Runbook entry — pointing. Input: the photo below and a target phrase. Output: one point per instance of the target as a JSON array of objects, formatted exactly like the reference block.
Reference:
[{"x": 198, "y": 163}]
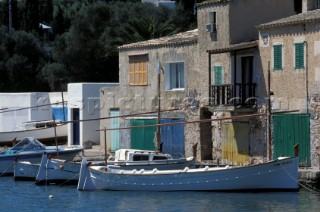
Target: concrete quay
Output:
[{"x": 310, "y": 177}]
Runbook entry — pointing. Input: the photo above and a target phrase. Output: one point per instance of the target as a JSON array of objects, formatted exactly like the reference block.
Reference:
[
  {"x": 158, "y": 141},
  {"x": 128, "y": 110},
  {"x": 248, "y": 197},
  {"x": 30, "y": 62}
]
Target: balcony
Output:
[{"x": 240, "y": 94}]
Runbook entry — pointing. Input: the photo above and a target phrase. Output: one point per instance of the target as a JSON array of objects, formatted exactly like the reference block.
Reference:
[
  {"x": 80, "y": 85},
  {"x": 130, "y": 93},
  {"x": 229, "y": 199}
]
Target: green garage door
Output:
[
  {"x": 143, "y": 138},
  {"x": 291, "y": 129}
]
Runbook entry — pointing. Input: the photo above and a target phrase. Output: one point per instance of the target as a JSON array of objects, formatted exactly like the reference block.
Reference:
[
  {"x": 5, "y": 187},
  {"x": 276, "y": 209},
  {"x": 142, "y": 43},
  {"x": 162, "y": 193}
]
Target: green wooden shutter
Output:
[
  {"x": 277, "y": 57},
  {"x": 299, "y": 61},
  {"x": 217, "y": 75}
]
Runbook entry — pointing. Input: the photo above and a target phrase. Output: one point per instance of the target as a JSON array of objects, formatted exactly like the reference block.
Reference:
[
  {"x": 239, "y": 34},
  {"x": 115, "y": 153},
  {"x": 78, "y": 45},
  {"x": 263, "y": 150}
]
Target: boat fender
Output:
[
  {"x": 186, "y": 169},
  {"x": 227, "y": 167},
  {"x": 155, "y": 170},
  {"x": 134, "y": 171},
  {"x": 206, "y": 168},
  {"x": 141, "y": 171}
]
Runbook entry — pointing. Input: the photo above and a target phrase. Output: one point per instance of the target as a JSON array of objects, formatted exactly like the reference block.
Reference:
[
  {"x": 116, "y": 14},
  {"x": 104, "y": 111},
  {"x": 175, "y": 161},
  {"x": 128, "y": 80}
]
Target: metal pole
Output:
[
  {"x": 105, "y": 146},
  {"x": 209, "y": 73},
  {"x": 10, "y": 16},
  {"x": 55, "y": 137}
]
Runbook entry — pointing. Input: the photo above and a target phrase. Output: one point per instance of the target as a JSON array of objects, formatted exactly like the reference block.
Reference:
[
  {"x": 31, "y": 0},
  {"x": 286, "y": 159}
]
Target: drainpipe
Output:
[
  {"x": 307, "y": 81},
  {"x": 307, "y": 90},
  {"x": 209, "y": 71},
  {"x": 235, "y": 79}
]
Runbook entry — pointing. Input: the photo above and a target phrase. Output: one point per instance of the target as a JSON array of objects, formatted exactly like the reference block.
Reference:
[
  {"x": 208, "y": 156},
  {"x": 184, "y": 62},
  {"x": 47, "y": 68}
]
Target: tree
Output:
[
  {"x": 82, "y": 48},
  {"x": 30, "y": 13},
  {"x": 20, "y": 58},
  {"x": 55, "y": 74},
  {"x": 148, "y": 27}
]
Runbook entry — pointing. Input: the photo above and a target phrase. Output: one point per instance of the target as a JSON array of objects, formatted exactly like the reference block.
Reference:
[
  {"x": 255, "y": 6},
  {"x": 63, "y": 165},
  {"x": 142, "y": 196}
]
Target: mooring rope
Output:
[
  {"x": 304, "y": 185},
  {"x": 65, "y": 182}
]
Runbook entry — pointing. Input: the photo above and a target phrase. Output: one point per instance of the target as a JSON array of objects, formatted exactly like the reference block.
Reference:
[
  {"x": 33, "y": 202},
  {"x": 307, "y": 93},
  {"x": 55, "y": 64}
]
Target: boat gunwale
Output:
[{"x": 183, "y": 171}]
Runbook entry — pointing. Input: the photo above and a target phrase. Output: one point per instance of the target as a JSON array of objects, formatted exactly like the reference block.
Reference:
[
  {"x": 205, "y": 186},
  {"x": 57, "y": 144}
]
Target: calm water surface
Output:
[{"x": 25, "y": 196}]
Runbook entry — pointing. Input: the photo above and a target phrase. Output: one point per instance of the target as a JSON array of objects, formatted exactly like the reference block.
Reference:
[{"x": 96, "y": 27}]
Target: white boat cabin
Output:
[{"x": 131, "y": 155}]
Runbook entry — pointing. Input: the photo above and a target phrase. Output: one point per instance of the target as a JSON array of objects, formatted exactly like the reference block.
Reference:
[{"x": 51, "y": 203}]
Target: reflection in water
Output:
[{"x": 67, "y": 198}]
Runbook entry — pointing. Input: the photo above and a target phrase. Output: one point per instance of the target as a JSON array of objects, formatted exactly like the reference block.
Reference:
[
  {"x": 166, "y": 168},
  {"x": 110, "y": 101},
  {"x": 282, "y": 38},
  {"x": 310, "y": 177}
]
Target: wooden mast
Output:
[
  {"x": 158, "y": 125},
  {"x": 269, "y": 114}
]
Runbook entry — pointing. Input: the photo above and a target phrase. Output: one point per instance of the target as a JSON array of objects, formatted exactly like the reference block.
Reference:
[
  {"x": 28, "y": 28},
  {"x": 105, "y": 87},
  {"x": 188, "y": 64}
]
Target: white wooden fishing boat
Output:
[
  {"x": 53, "y": 171},
  {"x": 56, "y": 171},
  {"x": 41, "y": 130},
  {"x": 30, "y": 149},
  {"x": 25, "y": 171},
  {"x": 280, "y": 174}
]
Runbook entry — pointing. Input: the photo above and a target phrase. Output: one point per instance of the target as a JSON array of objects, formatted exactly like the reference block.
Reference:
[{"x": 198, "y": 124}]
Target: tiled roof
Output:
[
  {"x": 188, "y": 37},
  {"x": 210, "y": 2},
  {"x": 234, "y": 47},
  {"x": 301, "y": 18}
]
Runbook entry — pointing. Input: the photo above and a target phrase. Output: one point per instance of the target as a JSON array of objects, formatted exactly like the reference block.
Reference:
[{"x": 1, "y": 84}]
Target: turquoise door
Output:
[{"x": 115, "y": 134}]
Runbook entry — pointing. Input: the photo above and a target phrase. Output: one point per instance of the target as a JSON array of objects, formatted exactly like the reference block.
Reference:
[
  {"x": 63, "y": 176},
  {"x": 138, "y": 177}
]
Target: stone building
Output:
[
  {"x": 290, "y": 56},
  {"x": 234, "y": 85},
  {"x": 208, "y": 73},
  {"x": 169, "y": 61}
]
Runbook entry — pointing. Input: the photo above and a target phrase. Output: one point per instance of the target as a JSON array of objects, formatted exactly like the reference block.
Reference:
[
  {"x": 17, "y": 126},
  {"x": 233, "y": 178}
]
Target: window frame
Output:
[
  {"x": 217, "y": 68},
  {"x": 138, "y": 70},
  {"x": 299, "y": 55},
  {"x": 277, "y": 59},
  {"x": 168, "y": 76}
]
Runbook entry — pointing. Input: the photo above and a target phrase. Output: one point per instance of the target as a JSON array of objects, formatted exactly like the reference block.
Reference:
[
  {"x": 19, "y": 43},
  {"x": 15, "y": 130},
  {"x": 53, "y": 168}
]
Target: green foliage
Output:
[
  {"x": 20, "y": 56},
  {"x": 146, "y": 28},
  {"x": 55, "y": 74}
]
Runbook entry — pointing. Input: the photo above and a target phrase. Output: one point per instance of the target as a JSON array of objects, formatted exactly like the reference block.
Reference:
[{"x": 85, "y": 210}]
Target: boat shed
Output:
[{"x": 84, "y": 112}]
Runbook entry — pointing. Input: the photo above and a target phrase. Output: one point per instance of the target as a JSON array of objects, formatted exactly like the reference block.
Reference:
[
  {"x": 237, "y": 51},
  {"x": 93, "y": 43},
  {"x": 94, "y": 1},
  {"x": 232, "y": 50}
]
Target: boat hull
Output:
[
  {"x": 7, "y": 161},
  {"x": 276, "y": 175},
  {"x": 25, "y": 171},
  {"x": 57, "y": 172},
  {"x": 45, "y": 135}
]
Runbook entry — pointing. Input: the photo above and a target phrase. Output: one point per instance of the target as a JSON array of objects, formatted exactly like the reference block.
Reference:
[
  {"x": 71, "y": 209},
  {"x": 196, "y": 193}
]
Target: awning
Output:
[{"x": 235, "y": 47}]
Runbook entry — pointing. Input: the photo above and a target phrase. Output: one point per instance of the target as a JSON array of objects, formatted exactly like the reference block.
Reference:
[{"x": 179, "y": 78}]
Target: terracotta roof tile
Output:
[
  {"x": 188, "y": 37},
  {"x": 307, "y": 17}
]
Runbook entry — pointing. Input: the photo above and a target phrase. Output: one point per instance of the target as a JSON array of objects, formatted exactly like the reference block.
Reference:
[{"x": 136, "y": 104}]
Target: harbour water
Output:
[{"x": 25, "y": 196}]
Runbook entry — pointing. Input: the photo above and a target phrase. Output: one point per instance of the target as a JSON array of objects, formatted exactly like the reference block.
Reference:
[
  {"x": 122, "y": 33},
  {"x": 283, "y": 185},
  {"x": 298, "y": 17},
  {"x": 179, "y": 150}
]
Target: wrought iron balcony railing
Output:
[{"x": 240, "y": 94}]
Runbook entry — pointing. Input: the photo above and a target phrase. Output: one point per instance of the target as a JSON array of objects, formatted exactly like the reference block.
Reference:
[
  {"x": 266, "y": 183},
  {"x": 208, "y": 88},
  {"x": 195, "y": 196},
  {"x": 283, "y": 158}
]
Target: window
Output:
[
  {"x": 140, "y": 158},
  {"x": 212, "y": 22},
  {"x": 174, "y": 76},
  {"x": 277, "y": 57},
  {"x": 217, "y": 75},
  {"x": 138, "y": 69},
  {"x": 299, "y": 55}
]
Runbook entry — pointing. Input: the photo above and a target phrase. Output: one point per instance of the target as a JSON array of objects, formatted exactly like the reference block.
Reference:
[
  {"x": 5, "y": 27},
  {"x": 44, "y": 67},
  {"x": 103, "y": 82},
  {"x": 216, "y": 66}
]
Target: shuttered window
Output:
[
  {"x": 138, "y": 70},
  {"x": 299, "y": 56},
  {"x": 277, "y": 57},
  {"x": 217, "y": 75}
]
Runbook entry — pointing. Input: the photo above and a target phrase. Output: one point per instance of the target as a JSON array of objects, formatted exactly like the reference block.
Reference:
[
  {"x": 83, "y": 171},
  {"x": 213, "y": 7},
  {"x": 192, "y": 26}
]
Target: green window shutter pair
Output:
[
  {"x": 217, "y": 75},
  {"x": 277, "y": 57},
  {"x": 299, "y": 56}
]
